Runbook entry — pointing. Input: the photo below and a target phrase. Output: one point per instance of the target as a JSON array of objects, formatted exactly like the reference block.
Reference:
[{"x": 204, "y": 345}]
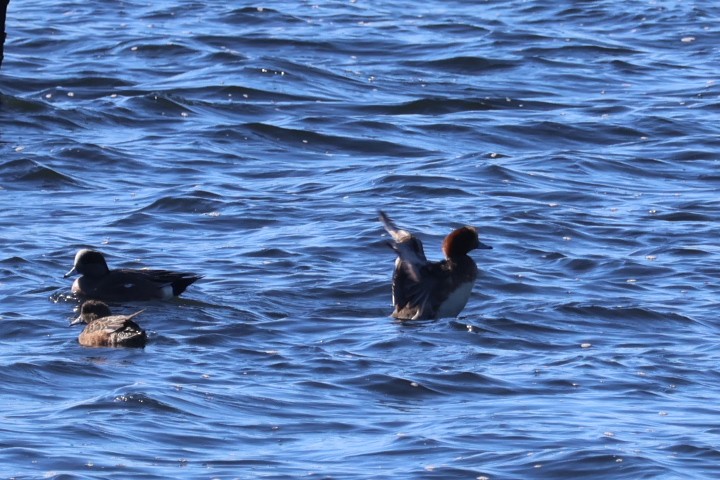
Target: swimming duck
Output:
[
  {"x": 427, "y": 290},
  {"x": 106, "y": 330},
  {"x": 99, "y": 282}
]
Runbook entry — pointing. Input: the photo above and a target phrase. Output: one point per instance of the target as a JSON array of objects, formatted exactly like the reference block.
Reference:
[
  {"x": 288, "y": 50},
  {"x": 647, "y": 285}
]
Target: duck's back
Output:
[
  {"x": 134, "y": 285},
  {"x": 439, "y": 289},
  {"x": 114, "y": 331}
]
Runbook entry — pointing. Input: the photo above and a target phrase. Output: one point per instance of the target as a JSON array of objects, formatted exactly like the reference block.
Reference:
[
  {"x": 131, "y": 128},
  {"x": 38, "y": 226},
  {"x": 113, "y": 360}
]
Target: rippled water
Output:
[{"x": 254, "y": 144}]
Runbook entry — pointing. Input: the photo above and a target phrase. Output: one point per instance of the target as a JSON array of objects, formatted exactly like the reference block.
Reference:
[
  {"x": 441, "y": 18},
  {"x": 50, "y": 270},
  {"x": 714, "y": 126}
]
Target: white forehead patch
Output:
[{"x": 79, "y": 254}]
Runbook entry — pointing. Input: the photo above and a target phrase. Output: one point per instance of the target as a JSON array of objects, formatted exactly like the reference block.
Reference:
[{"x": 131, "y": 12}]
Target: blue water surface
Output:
[{"x": 253, "y": 143}]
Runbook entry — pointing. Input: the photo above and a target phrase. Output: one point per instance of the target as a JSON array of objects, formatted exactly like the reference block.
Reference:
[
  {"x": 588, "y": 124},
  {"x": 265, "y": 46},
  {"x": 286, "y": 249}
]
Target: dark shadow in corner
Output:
[{"x": 3, "y": 14}]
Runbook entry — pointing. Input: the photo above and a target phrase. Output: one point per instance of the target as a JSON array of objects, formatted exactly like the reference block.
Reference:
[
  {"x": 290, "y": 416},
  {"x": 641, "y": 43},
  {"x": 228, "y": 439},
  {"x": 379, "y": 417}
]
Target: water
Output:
[{"x": 254, "y": 143}]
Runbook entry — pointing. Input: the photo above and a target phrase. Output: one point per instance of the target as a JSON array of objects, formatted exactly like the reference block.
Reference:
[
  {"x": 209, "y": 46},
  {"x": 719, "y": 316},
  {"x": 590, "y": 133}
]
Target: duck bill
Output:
[
  {"x": 72, "y": 272},
  {"x": 77, "y": 321},
  {"x": 484, "y": 246}
]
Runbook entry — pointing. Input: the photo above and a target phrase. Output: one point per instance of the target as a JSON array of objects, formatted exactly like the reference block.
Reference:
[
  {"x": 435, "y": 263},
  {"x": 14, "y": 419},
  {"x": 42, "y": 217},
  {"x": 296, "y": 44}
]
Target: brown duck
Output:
[{"x": 106, "y": 330}]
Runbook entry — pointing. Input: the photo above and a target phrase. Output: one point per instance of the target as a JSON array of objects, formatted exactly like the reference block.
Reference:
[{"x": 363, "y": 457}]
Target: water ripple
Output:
[{"x": 255, "y": 144}]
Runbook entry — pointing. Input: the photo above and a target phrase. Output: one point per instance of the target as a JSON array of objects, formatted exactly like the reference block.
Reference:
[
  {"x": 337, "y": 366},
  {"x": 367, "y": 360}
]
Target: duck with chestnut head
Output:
[{"x": 422, "y": 289}]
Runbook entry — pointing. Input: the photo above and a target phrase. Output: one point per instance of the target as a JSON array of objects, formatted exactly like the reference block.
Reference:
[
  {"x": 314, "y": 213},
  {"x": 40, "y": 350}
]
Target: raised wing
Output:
[{"x": 416, "y": 282}]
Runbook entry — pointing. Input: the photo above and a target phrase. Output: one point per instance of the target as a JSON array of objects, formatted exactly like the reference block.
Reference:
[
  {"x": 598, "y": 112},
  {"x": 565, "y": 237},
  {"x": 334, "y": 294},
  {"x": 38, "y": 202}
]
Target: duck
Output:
[
  {"x": 104, "y": 329},
  {"x": 425, "y": 290},
  {"x": 98, "y": 282}
]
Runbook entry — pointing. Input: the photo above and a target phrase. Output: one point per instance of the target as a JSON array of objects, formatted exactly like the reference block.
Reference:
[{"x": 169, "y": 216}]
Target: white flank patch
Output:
[
  {"x": 456, "y": 301},
  {"x": 167, "y": 292}
]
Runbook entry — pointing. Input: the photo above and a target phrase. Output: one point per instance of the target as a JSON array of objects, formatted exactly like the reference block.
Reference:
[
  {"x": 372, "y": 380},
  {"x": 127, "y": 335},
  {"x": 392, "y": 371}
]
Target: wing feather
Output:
[{"x": 415, "y": 280}]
